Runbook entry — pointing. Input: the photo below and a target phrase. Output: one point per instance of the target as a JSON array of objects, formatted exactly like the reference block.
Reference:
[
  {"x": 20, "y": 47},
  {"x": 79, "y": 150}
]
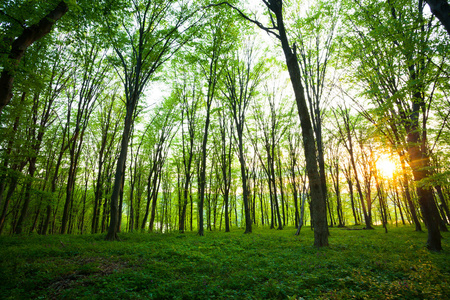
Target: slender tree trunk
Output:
[
  {"x": 367, "y": 218},
  {"x": 280, "y": 175},
  {"x": 446, "y": 214},
  {"x": 156, "y": 185},
  {"x": 11, "y": 188},
  {"x": 114, "y": 208},
  {"x": 275, "y": 192},
  {"x": 248, "y": 217},
  {"x": 411, "y": 205},
  {"x": 7, "y": 153},
  {"x": 150, "y": 191},
  {"x": 119, "y": 222},
  {"x": 36, "y": 144},
  {"x": 318, "y": 204},
  {"x": 302, "y": 213},
  {"x": 69, "y": 190},
  {"x": 203, "y": 169},
  {"x": 397, "y": 201}
]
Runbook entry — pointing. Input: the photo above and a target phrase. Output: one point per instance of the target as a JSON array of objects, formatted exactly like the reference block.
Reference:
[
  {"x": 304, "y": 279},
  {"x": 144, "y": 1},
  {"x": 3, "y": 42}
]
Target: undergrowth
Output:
[{"x": 267, "y": 264}]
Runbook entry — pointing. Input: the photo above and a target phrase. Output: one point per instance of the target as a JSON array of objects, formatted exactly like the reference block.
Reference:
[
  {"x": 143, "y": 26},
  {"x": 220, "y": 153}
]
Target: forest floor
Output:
[{"x": 267, "y": 264}]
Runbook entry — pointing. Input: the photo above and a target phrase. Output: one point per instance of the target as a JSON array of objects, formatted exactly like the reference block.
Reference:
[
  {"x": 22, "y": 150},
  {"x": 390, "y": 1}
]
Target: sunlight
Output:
[{"x": 385, "y": 166}]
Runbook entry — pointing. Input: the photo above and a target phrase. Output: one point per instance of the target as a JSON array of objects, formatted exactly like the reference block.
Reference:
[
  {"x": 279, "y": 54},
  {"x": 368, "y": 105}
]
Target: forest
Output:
[
  {"x": 196, "y": 116},
  {"x": 205, "y": 135}
]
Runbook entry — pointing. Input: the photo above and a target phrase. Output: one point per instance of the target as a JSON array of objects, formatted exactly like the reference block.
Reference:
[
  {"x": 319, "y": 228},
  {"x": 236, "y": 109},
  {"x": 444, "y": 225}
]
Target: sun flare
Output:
[{"x": 385, "y": 166}]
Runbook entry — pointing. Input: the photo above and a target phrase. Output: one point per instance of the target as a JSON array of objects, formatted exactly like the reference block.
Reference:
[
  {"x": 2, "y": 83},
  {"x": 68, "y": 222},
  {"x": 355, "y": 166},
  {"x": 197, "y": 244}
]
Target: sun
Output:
[{"x": 385, "y": 166}]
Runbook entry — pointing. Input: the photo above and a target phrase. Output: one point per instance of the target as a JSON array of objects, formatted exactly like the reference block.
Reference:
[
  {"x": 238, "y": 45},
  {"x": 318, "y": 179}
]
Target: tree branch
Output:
[
  {"x": 20, "y": 45},
  {"x": 257, "y": 23}
]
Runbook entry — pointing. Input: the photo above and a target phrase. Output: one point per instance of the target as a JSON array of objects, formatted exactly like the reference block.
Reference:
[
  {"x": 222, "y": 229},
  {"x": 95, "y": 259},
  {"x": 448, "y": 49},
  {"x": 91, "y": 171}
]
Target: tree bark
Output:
[
  {"x": 411, "y": 205},
  {"x": 420, "y": 162},
  {"x": 20, "y": 45},
  {"x": 114, "y": 220},
  {"x": 441, "y": 9},
  {"x": 202, "y": 181},
  {"x": 248, "y": 218},
  {"x": 318, "y": 205}
]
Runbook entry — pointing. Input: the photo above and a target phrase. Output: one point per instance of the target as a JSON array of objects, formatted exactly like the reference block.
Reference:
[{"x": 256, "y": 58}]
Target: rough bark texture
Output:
[
  {"x": 420, "y": 162},
  {"x": 20, "y": 45}
]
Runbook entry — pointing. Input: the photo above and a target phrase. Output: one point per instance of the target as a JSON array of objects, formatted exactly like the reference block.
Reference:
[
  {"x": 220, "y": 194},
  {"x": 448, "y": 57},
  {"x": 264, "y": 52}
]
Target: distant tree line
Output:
[{"x": 133, "y": 115}]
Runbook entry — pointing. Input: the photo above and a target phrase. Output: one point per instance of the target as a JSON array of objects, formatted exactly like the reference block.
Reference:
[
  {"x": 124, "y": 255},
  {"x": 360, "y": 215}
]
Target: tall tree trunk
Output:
[
  {"x": 202, "y": 180},
  {"x": 248, "y": 217},
  {"x": 119, "y": 222},
  {"x": 272, "y": 181},
  {"x": 156, "y": 184},
  {"x": 11, "y": 188},
  {"x": 8, "y": 151},
  {"x": 318, "y": 204},
  {"x": 420, "y": 163},
  {"x": 114, "y": 208},
  {"x": 36, "y": 138},
  {"x": 412, "y": 207},
  {"x": 446, "y": 212}
]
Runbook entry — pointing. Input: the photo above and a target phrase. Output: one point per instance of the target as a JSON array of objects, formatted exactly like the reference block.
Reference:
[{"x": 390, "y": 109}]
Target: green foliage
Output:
[{"x": 264, "y": 265}]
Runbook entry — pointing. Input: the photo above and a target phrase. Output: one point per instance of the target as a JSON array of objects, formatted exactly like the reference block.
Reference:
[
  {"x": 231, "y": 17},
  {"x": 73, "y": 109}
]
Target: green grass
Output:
[{"x": 267, "y": 264}]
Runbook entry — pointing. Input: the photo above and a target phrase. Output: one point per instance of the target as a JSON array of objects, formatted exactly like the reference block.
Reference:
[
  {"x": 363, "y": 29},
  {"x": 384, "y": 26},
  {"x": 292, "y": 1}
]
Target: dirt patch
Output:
[{"x": 87, "y": 267}]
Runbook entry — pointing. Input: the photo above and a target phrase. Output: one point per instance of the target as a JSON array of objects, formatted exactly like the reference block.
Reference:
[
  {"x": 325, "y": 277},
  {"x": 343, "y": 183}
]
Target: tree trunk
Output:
[
  {"x": 420, "y": 162},
  {"x": 203, "y": 170},
  {"x": 156, "y": 185},
  {"x": 318, "y": 205},
  {"x": 441, "y": 9},
  {"x": 446, "y": 212},
  {"x": 11, "y": 189},
  {"x": 20, "y": 45},
  {"x": 114, "y": 206},
  {"x": 248, "y": 217},
  {"x": 411, "y": 205},
  {"x": 8, "y": 151}
]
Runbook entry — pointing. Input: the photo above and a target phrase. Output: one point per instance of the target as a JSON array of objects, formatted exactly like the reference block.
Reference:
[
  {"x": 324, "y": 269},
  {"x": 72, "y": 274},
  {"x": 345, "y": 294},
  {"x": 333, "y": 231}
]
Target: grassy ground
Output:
[{"x": 267, "y": 264}]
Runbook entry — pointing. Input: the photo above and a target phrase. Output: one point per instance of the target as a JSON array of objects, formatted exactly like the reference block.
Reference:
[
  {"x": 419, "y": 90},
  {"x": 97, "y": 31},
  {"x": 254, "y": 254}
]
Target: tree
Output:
[
  {"x": 142, "y": 44},
  {"x": 16, "y": 47},
  {"x": 277, "y": 29},
  {"x": 271, "y": 124},
  {"x": 241, "y": 80},
  {"x": 107, "y": 121},
  {"x": 316, "y": 49},
  {"x": 218, "y": 43},
  {"x": 87, "y": 88},
  {"x": 226, "y": 130},
  {"x": 335, "y": 168},
  {"x": 318, "y": 205},
  {"x": 402, "y": 83},
  {"x": 54, "y": 78},
  {"x": 293, "y": 154},
  {"x": 346, "y": 131},
  {"x": 161, "y": 135},
  {"x": 189, "y": 117}
]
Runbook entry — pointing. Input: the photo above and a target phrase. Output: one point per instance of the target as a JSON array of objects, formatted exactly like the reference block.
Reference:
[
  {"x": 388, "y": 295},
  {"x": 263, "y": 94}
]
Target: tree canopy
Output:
[{"x": 193, "y": 115}]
